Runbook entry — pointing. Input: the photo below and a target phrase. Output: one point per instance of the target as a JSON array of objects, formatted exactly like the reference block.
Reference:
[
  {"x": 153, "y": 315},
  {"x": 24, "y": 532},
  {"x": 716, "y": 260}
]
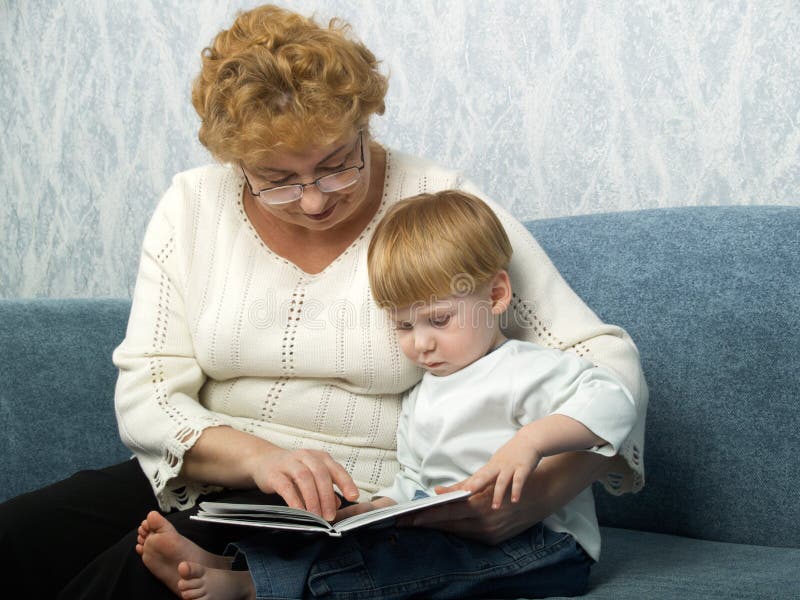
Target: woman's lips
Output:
[{"x": 323, "y": 215}]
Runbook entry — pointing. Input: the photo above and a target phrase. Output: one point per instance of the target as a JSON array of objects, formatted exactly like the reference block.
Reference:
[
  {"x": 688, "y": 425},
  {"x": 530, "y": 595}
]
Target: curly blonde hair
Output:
[
  {"x": 432, "y": 246},
  {"x": 277, "y": 81}
]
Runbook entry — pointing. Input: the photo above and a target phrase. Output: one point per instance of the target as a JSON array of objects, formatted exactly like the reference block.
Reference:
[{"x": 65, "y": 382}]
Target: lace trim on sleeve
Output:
[{"x": 170, "y": 489}]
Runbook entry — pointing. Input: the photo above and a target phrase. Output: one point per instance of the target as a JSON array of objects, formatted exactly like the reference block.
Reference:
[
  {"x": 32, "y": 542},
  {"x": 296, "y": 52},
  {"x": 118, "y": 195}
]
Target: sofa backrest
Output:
[
  {"x": 57, "y": 392},
  {"x": 711, "y": 296}
]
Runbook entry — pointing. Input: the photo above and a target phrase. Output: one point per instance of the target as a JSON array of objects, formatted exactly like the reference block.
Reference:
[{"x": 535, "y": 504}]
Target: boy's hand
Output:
[
  {"x": 362, "y": 507},
  {"x": 512, "y": 463}
]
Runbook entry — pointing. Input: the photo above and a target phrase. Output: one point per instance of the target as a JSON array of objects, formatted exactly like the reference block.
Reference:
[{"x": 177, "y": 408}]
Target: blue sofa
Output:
[{"x": 712, "y": 298}]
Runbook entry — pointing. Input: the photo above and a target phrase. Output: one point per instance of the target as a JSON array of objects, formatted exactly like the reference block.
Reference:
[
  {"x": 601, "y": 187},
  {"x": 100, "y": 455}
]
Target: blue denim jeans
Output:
[{"x": 408, "y": 562}]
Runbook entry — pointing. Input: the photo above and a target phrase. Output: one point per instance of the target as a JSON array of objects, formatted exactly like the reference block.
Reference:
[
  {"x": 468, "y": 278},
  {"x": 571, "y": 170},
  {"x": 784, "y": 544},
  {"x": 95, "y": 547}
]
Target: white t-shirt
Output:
[{"x": 451, "y": 426}]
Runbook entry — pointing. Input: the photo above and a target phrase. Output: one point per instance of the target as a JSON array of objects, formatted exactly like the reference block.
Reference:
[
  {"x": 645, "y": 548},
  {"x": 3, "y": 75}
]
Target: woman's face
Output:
[{"x": 315, "y": 210}]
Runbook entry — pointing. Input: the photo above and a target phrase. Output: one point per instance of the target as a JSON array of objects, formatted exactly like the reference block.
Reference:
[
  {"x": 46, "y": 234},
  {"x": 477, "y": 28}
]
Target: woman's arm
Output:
[
  {"x": 157, "y": 403},
  {"x": 303, "y": 478},
  {"x": 556, "y": 481}
]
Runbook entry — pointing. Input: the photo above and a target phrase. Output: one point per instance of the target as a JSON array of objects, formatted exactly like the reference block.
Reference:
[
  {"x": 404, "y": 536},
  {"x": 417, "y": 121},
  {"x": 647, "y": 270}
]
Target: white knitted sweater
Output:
[{"x": 223, "y": 331}]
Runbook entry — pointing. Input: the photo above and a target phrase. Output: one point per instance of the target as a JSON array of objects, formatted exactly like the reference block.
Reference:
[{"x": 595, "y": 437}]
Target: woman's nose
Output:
[{"x": 313, "y": 201}]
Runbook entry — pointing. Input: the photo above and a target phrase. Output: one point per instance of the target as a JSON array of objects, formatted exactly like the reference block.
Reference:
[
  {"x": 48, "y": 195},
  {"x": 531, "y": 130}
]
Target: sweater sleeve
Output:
[
  {"x": 546, "y": 311},
  {"x": 156, "y": 398},
  {"x": 407, "y": 480}
]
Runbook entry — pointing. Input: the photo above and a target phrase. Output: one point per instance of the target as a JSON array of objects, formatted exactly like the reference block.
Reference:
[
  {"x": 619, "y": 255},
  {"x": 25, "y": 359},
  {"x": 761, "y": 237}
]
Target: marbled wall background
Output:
[{"x": 554, "y": 107}]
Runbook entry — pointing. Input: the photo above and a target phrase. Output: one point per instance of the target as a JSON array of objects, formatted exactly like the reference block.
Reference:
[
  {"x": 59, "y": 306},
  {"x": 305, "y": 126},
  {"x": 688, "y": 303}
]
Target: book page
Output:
[
  {"x": 260, "y": 512},
  {"x": 249, "y": 521},
  {"x": 389, "y": 512}
]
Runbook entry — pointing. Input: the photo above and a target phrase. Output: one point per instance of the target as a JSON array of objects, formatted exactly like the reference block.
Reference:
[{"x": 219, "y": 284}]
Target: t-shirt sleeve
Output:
[{"x": 561, "y": 383}]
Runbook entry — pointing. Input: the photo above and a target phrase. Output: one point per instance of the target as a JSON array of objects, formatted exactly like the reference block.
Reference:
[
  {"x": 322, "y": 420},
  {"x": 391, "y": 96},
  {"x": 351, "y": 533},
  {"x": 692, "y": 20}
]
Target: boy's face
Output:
[{"x": 447, "y": 335}]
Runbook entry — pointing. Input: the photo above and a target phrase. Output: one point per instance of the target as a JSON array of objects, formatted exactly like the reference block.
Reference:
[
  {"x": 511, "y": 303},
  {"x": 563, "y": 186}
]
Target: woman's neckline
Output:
[{"x": 340, "y": 256}]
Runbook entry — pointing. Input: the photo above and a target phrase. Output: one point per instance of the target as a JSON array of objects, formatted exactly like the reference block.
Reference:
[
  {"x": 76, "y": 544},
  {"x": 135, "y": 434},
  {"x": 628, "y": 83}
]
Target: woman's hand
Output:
[
  {"x": 556, "y": 481},
  {"x": 304, "y": 479}
]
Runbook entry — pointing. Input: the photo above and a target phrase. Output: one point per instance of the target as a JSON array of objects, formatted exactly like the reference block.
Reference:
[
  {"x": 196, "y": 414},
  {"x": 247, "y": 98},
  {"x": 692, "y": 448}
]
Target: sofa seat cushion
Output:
[{"x": 636, "y": 565}]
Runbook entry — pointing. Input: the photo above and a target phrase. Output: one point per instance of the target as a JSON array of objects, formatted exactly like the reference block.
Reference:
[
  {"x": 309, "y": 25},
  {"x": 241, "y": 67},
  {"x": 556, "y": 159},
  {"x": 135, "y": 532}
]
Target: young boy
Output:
[{"x": 486, "y": 411}]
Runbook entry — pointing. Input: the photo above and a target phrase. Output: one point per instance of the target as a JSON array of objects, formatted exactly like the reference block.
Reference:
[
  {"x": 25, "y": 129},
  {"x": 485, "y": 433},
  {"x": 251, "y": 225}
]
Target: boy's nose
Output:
[{"x": 423, "y": 343}]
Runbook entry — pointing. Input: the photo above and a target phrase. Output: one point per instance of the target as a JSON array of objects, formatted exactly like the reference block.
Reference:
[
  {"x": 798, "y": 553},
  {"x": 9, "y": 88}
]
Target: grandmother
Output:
[{"x": 255, "y": 358}]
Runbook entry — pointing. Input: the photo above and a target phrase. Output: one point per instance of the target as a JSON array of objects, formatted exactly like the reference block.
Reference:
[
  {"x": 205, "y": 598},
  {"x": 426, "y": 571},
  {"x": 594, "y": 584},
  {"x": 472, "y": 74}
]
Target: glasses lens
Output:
[
  {"x": 338, "y": 181},
  {"x": 282, "y": 195}
]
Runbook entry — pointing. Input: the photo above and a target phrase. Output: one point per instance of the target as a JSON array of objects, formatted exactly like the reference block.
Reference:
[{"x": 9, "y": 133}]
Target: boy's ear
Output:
[{"x": 500, "y": 291}]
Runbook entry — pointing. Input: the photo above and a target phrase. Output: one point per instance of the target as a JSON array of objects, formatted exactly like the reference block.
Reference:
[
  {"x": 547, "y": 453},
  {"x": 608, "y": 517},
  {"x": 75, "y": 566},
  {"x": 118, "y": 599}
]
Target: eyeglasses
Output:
[{"x": 333, "y": 182}]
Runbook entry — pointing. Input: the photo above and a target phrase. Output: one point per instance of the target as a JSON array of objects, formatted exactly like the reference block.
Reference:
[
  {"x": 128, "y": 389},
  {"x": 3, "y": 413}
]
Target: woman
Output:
[{"x": 255, "y": 358}]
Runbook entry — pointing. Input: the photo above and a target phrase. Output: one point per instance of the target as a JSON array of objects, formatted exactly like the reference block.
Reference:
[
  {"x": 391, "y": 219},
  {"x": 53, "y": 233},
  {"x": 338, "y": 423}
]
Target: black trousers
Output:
[{"x": 76, "y": 538}]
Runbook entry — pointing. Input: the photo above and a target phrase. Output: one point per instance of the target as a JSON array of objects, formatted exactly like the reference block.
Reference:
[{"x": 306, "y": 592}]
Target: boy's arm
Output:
[
  {"x": 516, "y": 459},
  {"x": 563, "y": 404}
]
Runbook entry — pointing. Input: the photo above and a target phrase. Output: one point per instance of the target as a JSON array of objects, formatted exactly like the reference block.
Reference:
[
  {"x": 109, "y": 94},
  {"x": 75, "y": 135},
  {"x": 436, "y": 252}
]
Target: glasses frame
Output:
[{"x": 301, "y": 187}]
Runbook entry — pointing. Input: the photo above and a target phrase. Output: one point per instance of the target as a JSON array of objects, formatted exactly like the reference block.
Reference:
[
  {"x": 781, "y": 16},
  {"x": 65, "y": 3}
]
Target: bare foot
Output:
[
  {"x": 163, "y": 549},
  {"x": 199, "y": 582}
]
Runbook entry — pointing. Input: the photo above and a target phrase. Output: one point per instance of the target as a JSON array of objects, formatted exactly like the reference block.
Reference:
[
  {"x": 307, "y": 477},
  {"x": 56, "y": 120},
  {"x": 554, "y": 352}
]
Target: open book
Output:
[{"x": 295, "y": 519}]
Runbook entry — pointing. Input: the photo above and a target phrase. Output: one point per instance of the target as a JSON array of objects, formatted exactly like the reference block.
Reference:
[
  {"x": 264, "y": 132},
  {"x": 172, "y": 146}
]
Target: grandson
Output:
[{"x": 486, "y": 411}]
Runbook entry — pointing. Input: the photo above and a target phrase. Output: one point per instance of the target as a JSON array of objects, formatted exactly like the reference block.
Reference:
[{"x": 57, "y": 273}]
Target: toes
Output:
[
  {"x": 191, "y": 585},
  {"x": 194, "y": 594},
  {"x": 191, "y": 570},
  {"x": 156, "y": 523}
]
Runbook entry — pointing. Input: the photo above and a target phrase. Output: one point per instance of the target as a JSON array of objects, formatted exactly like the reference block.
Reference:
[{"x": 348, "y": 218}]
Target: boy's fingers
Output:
[
  {"x": 520, "y": 477},
  {"x": 480, "y": 479},
  {"x": 443, "y": 489},
  {"x": 500, "y": 487}
]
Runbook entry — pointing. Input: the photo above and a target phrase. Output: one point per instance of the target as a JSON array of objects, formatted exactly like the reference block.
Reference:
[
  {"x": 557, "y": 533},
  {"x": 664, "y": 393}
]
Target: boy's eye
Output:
[
  {"x": 440, "y": 321},
  {"x": 403, "y": 326}
]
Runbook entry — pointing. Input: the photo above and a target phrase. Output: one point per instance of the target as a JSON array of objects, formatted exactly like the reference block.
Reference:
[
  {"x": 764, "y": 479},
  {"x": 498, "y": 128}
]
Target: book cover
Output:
[{"x": 295, "y": 519}]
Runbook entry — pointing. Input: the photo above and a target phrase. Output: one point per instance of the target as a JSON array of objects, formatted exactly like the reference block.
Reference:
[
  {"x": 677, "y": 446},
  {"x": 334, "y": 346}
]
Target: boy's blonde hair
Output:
[
  {"x": 432, "y": 246},
  {"x": 277, "y": 81}
]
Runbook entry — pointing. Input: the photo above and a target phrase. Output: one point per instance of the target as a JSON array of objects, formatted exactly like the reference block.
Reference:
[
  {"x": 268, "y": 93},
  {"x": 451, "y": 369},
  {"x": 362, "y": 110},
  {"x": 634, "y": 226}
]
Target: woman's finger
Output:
[
  {"x": 304, "y": 480},
  {"x": 324, "y": 485},
  {"x": 342, "y": 479},
  {"x": 285, "y": 488}
]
